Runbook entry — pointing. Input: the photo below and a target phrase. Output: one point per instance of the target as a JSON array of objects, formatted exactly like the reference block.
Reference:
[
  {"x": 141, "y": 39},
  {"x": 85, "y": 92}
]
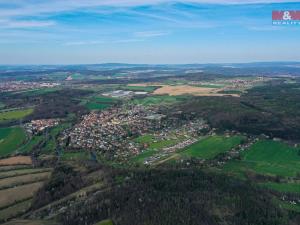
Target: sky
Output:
[{"x": 145, "y": 31}]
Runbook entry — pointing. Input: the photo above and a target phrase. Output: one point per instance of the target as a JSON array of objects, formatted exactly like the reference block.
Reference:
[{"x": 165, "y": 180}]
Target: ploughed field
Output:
[{"x": 19, "y": 181}]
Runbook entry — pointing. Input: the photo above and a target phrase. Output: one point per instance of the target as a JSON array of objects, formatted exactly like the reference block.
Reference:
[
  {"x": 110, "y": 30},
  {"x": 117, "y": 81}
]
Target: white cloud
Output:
[
  {"x": 25, "y": 23},
  {"x": 74, "y": 43},
  {"x": 28, "y": 7},
  {"x": 147, "y": 34}
]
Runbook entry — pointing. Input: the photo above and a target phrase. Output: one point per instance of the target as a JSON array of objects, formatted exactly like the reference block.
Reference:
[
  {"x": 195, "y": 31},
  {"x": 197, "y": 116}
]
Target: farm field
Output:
[
  {"x": 283, "y": 187},
  {"x": 100, "y": 103},
  {"x": 15, "y": 210},
  {"x": 13, "y": 167},
  {"x": 160, "y": 99},
  {"x": 14, "y": 114},
  {"x": 18, "y": 172},
  {"x": 189, "y": 90},
  {"x": 12, "y": 195},
  {"x": 23, "y": 179},
  {"x": 141, "y": 88},
  {"x": 82, "y": 155},
  {"x": 104, "y": 222},
  {"x": 36, "y": 139},
  {"x": 140, "y": 158},
  {"x": 153, "y": 146},
  {"x": 267, "y": 157},
  {"x": 18, "y": 183},
  {"x": 210, "y": 147},
  {"x": 16, "y": 160},
  {"x": 155, "y": 143},
  {"x": 41, "y": 91},
  {"x": 10, "y": 139}
]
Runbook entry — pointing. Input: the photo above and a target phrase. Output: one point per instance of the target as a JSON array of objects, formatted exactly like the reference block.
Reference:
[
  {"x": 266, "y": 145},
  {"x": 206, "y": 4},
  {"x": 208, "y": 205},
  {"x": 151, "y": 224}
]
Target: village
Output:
[
  {"x": 109, "y": 131},
  {"x": 37, "y": 126},
  {"x": 10, "y": 86},
  {"x": 112, "y": 132}
]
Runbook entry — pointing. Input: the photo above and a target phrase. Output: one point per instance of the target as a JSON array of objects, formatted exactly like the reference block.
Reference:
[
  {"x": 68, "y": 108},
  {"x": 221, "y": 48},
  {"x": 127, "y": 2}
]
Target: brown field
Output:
[
  {"x": 15, "y": 210},
  {"x": 189, "y": 90},
  {"x": 19, "y": 172},
  {"x": 17, "y": 160},
  {"x": 25, "y": 179},
  {"x": 16, "y": 167},
  {"x": 12, "y": 195}
]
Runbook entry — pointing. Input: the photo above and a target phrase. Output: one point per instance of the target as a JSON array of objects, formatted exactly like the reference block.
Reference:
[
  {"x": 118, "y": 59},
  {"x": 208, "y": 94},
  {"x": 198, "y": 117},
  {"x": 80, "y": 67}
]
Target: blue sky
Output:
[{"x": 145, "y": 31}]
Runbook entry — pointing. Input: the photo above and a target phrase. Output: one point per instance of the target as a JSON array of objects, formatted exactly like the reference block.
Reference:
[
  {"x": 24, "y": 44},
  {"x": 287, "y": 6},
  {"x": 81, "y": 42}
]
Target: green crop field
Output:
[
  {"x": 105, "y": 222},
  {"x": 100, "y": 103},
  {"x": 145, "y": 139},
  {"x": 210, "y": 147},
  {"x": 282, "y": 187},
  {"x": 40, "y": 91},
  {"x": 31, "y": 143},
  {"x": 82, "y": 155},
  {"x": 160, "y": 99},
  {"x": 155, "y": 143},
  {"x": 10, "y": 139},
  {"x": 14, "y": 114},
  {"x": 97, "y": 106},
  {"x": 140, "y": 158},
  {"x": 268, "y": 157}
]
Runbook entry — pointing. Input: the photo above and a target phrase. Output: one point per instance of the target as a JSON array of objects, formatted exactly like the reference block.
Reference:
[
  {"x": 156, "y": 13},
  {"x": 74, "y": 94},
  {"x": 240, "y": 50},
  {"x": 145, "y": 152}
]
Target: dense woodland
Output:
[
  {"x": 168, "y": 197},
  {"x": 272, "y": 110},
  {"x": 58, "y": 104}
]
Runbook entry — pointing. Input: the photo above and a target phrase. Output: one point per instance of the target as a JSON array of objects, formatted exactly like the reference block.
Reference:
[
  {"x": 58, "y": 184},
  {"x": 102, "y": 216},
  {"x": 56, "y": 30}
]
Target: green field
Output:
[
  {"x": 288, "y": 206},
  {"x": 153, "y": 146},
  {"x": 282, "y": 187},
  {"x": 160, "y": 99},
  {"x": 82, "y": 155},
  {"x": 145, "y": 139},
  {"x": 48, "y": 142},
  {"x": 154, "y": 143},
  {"x": 267, "y": 157},
  {"x": 40, "y": 91},
  {"x": 31, "y": 143},
  {"x": 100, "y": 103},
  {"x": 140, "y": 158},
  {"x": 210, "y": 147},
  {"x": 51, "y": 138},
  {"x": 2, "y": 105},
  {"x": 10, "y": 139},
  {"x": 14, "y": 114},
  {"x": 104, "y": 222}
]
